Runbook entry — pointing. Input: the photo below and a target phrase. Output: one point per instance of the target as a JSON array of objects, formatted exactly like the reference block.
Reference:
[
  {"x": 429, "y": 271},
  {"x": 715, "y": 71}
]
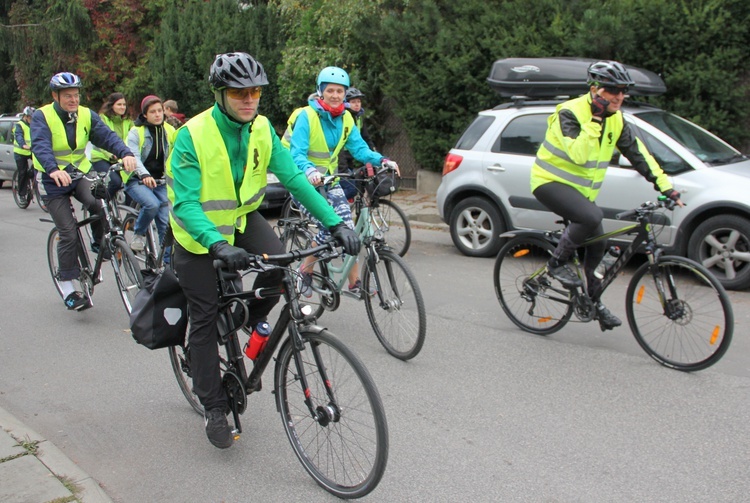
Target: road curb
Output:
[{"x": 55, "y": 460}]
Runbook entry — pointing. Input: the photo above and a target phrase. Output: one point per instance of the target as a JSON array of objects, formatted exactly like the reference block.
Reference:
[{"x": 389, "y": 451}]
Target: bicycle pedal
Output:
[
  {"x": 235, "y": 435},
  {"x": 357, "y": 296}
]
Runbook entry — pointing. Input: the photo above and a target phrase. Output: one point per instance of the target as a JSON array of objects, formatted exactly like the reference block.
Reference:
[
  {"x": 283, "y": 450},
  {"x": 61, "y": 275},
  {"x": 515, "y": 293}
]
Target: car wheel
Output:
[
  {"x": 476, "y": 226},
  {"x": 722, "y": 245}
]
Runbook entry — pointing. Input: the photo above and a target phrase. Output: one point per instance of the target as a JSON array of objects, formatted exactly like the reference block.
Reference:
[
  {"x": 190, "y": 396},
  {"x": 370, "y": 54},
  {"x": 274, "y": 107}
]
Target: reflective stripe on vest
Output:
[
  {"x": 318, "y": 152},
  {"x": 60, "y": 148},
  {"x": 26, "y": 139},
  {"x": 218, "y": 197},
  {"x": 169, "y": 132},
  {"x": 121, "y": 129},
  {"x": 553, "y": 164}
]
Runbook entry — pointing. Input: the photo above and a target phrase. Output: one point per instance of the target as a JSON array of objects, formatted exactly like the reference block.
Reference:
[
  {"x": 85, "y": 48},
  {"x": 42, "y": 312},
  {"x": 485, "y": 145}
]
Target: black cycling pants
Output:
[
  {"x": 24, "y": 173},
  {"x": 198, "y": 280},
  {"x": 585, "y": 221}
]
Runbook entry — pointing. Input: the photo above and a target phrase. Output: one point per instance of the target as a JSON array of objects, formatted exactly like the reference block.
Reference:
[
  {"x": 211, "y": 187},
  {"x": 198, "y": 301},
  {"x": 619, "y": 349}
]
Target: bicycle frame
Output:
[{"x": 290, "y": 318}]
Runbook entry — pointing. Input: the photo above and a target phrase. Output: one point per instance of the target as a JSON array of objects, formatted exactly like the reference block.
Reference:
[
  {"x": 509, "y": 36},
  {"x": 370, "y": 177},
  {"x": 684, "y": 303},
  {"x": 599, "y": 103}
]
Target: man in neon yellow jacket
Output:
[
  {"x": 216, "y": 178},
  {"x": 570, "y": 166}
]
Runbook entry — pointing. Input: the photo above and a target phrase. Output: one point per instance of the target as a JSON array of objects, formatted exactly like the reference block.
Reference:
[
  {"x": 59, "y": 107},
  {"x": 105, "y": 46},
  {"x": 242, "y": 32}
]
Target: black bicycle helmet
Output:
[
  {"x": 352, "y": 93},
  {"x": 29, "y": 111},
  {"x": 64, "y": 80},
  {"x": 609, "y": 73},
  {"x": 237, "y": 70}
]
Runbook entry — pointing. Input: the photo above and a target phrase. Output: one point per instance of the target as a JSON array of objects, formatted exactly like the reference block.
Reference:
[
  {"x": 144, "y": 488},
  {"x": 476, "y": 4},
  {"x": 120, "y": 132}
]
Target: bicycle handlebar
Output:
[
  {"x": 647, "y": 208},
  {"x": 283, "y": 259},
  {"x": 328, "y": 179}
]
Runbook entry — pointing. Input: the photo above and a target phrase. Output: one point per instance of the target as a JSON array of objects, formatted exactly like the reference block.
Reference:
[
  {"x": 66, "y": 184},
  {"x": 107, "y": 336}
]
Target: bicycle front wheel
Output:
[
  {"x": 52, "y": 260},
  {"x": 391, "y": 220},
  {"x": 396, "y": 309},
  {"x": 21, "y": 201},
  {"x": 127, "y": 273},
  {"x": 332, "y": 415},
  {"x": 680, "y": 314},
  {"x": 525, "y": 292}
]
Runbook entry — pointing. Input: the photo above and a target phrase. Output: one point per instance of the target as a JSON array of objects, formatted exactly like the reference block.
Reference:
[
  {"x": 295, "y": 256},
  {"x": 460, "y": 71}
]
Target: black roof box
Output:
[{"x": 550, "y": 77}]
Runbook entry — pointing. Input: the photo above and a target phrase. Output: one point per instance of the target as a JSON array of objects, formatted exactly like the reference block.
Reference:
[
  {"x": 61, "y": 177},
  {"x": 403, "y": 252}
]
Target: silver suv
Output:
[
  {"x": 7, "y": 161},
  {"x": 485, "y": 187}
]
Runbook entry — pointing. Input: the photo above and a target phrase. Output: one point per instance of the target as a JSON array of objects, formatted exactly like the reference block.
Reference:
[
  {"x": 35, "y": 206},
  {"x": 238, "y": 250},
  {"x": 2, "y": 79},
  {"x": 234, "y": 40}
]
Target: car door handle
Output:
[{"x": 495, "y": 167}]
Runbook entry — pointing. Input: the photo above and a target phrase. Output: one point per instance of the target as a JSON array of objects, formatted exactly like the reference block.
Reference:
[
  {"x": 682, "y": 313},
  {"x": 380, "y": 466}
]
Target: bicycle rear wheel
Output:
[
  {"x": 21, "y": 202},
  {"x": 127, "y": 273},
  {"x": 52, "y": 260},
  {"x": 344, "y": 445},
  {"x": 691, "y": 328},
  {"x": 396, "y": 311},
  {"x": 391, "y": 220},
  {"x": 528, "y": 296}
]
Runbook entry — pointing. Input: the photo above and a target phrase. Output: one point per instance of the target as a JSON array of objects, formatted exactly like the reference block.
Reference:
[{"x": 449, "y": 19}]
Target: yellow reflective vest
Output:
[
  {"x": 169, "y": 132},
  {"x": 120, "y": 128},
  {"x": 580, "y": 163},
  {"x": 219, "y": 199},
  {"x": 60, "y": 148},
  {"x": 318, "y": 152},
  {"x": 18, "y": 149}
]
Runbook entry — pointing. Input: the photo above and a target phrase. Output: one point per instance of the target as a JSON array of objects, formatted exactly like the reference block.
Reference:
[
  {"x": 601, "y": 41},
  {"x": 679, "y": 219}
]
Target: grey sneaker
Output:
[
  {"x": 217, "y": 429},
  {"x": 607, "y": 320},
  {"x": 304, "y": 284},
  {"x": 138, "y": 244},
  {"x": 564, "y": 275}
]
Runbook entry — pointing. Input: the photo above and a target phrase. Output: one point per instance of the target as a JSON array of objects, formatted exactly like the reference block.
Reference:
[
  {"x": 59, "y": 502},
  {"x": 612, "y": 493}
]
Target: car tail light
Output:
[{"x": 451, "y": 162}]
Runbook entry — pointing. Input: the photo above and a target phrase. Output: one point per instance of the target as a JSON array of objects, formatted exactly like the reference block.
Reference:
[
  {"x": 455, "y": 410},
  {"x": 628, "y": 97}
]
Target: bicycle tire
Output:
[
  {"x": 38, "y": 194},
  {"x": 179, "y": 357},
  {"x": 391, "y": 220},
  {"x": 290, "y": 209},
  {"x": 345, "y": 448},
  {"x": 148, "y": 257},
  {"x": 21, "y": 202},
  {"x": 698, "y": 333},
  {"x": 127, "y": 272},
  {"x": 519, "y": 295},
  {"x": 294, "y": 238},
  {"x": 396, "y": 312},
  {"x": 52, "y": 260}
]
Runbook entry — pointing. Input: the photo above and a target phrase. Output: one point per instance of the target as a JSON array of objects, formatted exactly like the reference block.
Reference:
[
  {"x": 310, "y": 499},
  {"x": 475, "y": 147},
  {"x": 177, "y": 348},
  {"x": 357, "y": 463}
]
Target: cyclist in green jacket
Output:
[{"x": 216, "y": 179}]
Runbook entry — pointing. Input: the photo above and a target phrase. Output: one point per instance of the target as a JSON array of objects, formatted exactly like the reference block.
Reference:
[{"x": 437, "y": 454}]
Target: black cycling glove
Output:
[
  {"x": 235, "y": 258},
  {"x": 347, "y": 238}
]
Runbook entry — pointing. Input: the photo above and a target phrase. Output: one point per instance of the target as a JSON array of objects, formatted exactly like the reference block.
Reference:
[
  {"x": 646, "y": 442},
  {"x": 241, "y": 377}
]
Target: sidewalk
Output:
[
  {"x": 421, "y": 209},
  {"x": 33, "y": 470}
]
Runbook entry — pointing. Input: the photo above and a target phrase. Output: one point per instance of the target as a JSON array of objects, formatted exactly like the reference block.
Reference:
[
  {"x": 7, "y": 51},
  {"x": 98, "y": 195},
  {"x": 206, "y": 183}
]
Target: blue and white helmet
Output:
[{"x": 64, "y": 80}]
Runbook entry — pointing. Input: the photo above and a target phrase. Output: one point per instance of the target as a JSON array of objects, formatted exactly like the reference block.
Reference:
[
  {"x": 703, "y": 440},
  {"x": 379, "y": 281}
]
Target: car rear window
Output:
[
  {"x": 522, "y": 136},
  {"x": 474, "y": 132}
]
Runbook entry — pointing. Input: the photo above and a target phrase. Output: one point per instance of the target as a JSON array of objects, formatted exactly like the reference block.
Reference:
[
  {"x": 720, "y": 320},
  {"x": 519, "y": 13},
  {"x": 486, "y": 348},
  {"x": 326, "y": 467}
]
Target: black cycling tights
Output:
[{"x": 585, "y": 220}]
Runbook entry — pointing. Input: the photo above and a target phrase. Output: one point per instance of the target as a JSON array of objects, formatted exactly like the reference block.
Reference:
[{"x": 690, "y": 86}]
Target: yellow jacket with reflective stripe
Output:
[
  {"x": 219, "y": 198},
  {"x": 60, "y": 148},
  {"x": 318, "y": 152},
  {"x": 121, "y": 127},
  {"x": 26, "y": 139},
  {"x": 579, "y": 162}
]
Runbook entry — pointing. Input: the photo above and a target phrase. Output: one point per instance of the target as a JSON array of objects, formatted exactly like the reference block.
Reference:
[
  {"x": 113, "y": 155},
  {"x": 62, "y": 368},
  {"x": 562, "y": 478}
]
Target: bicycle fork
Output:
[{"x": 323, "y": 414}]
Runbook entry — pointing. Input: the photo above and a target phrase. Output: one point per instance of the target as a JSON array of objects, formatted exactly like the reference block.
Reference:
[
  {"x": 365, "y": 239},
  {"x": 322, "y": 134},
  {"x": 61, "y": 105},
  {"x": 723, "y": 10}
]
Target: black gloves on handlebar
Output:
[
  {"x": 235, "y": 258},
  {"x": 347, "y": 238}
]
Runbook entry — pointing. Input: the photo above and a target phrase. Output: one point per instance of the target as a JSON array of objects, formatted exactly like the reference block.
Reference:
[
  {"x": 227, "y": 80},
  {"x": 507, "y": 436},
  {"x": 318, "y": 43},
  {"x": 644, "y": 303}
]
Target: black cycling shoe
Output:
[
  {"x": 607, "y": 320},
  {"x": 564, "y": 275},
  {"x": 105, "y": 256},
  {"x": 217, "y": 428}
]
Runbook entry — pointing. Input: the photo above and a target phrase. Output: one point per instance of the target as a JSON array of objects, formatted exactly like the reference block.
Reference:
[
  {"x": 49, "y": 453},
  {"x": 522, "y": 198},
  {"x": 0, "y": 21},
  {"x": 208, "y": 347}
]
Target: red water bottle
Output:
[{"x": 258, "y": 340}]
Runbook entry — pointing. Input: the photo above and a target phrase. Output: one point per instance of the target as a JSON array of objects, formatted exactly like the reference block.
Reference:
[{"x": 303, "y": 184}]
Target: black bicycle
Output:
[
  {"x": 127, "y": 271},
  {"x": 677, "y": 310},
  {"x": 330, "y": 408},
  {"x": 32, "y": 190}
]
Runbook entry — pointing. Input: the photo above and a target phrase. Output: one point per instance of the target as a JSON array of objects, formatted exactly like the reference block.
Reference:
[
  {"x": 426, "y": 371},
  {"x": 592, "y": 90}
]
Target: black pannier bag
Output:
[
  {"x": 382, "y": 185},
  {"x": 159, "y": 318},
  {"x": 551, "y": 77}
]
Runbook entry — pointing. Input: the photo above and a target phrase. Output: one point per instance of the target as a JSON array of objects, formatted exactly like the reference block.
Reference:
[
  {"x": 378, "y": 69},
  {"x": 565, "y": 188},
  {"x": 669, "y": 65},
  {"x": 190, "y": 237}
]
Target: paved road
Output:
[{"x": 484, "y": 413}]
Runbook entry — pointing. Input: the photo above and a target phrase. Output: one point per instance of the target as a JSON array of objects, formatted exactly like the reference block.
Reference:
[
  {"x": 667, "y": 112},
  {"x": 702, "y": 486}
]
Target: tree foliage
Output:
[{"x": 430, "y": 57}]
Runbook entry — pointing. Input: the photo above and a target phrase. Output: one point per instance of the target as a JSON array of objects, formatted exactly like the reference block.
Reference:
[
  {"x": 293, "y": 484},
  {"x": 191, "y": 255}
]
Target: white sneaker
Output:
[{"x": 138, "y": 244}]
